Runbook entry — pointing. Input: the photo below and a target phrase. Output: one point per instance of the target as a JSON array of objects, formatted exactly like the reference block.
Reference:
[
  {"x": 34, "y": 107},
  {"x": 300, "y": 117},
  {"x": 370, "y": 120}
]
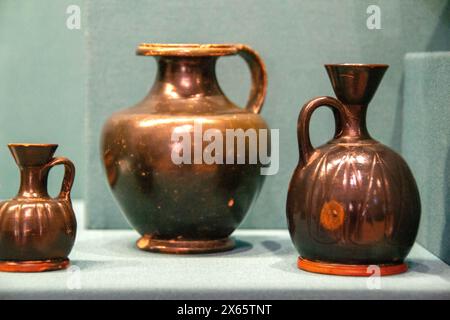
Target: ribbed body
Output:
[{"x": 354, "y": 203}]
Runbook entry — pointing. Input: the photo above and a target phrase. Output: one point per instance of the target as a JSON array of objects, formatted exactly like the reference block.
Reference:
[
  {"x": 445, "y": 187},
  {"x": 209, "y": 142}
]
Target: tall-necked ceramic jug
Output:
[
  {"x": 37, "y": 232},
  {"x": 353, "y": 205},
  {"x": 184, "y": 207}
]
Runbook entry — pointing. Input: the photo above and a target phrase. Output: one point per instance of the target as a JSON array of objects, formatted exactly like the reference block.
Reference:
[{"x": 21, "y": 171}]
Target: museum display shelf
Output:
[{"x": 107, "y": 265}]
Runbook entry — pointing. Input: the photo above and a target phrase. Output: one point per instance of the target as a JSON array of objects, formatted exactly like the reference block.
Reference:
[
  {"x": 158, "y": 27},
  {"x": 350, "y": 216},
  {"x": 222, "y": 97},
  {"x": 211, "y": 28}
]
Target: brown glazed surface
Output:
[
  {"x": 37, "y": 232},
  {"x": 185, "y": 208},
  {"x": 352, "y": 201}
]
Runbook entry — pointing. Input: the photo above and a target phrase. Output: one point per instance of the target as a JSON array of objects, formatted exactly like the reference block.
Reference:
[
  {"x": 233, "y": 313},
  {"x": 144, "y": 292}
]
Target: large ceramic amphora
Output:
[
  {"x": 181, "y": 207},
  {"x": 37, "y": 232},
  {"x": 353, "y": 202}
]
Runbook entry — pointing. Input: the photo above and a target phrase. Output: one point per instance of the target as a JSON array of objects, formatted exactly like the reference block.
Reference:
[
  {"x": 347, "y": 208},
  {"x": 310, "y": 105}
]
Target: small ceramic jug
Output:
[
  {"x": 37, "y": 232},
  {"x": 353, "y": 204}
]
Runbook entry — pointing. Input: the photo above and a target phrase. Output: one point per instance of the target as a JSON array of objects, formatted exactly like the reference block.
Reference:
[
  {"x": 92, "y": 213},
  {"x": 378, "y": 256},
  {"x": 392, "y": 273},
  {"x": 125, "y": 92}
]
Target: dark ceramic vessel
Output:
[
  {"x": 352, "y": 202},
  {"x": 183, "y": 208},
  {"x": 37, "y": 232}
]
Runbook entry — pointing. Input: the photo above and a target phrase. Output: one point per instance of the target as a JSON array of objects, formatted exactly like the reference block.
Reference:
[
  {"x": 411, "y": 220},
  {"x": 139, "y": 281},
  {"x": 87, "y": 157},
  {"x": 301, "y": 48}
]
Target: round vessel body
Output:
[{"x": 353, "y": 204}]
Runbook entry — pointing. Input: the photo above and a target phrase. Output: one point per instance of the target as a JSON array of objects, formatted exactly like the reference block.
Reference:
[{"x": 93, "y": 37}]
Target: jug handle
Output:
[
  {"x": 69, "y": 176},
  {"x": 259, "y": 77},
  {"x": 304, "y": 143}
]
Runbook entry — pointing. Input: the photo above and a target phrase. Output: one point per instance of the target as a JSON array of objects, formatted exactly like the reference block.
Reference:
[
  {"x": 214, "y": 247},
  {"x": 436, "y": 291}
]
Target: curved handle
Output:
[
  {"x": 69, "y": 175},
  {"x": 304, "y": 143},
  {"x": 259, "y": 78}
]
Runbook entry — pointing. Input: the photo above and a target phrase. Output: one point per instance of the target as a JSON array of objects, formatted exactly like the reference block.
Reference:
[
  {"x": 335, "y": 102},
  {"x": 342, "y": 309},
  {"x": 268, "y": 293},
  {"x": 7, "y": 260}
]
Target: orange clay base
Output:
[
  {"x": 184, "y": 246},
  {"x": 34, "y": 266},
  {"x": 349, "y": 269}
]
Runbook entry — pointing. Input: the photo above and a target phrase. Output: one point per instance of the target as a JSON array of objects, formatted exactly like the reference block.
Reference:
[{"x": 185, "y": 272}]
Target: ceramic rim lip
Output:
[
  {"x": 366, "y": 65},
  {"x": 46, "y": 145},
  {"x": 186, "y": 49}
]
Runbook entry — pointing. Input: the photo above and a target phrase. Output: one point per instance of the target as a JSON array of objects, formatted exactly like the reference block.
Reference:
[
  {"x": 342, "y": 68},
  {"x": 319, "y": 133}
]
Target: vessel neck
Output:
[
  {"x": 355, "y": 122},
  {"x": 33, "y": 182},
  {"x": 185, "y": 77}
]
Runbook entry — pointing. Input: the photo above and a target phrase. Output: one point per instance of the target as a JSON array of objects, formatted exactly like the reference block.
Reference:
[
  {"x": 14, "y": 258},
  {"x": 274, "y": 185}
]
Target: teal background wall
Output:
[
  {"x": 42, "y": 80},
  {"x": 295, "y": 38},
  {"x": 426, "y": 143}
]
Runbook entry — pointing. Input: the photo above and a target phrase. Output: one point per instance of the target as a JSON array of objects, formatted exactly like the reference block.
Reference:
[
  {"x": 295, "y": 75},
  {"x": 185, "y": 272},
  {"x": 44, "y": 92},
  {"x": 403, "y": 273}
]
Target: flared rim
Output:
[
  {"x": 185, "y": 49},
  {"x": 365, "y": 65}
]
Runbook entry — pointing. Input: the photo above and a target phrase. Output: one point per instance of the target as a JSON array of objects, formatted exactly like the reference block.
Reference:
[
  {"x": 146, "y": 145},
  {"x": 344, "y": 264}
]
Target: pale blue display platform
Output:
[{"x": 106, "y": 265}]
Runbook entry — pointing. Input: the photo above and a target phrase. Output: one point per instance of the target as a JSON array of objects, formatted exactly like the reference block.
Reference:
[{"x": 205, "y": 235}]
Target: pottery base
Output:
[
  {"x": 185, "y": 246},
  {"x": 349, "y": 269},
  {"x": 34, "y": 266}
]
